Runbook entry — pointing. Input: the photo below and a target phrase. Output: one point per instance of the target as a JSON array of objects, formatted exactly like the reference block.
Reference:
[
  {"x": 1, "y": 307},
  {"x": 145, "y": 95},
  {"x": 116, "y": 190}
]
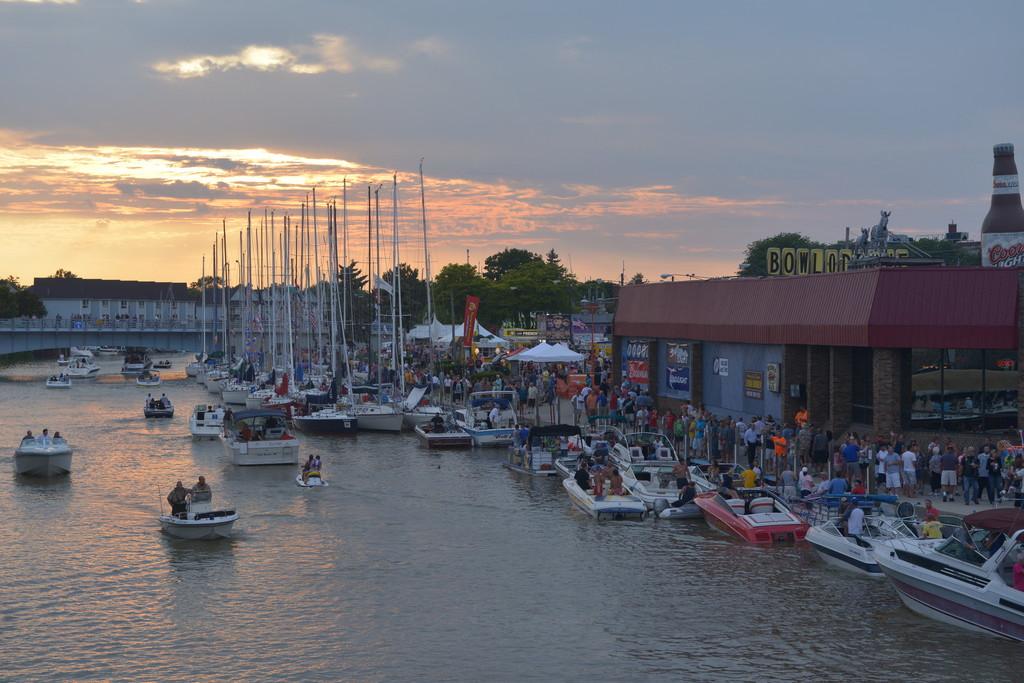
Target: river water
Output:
[{"x": 412, "y": 565}]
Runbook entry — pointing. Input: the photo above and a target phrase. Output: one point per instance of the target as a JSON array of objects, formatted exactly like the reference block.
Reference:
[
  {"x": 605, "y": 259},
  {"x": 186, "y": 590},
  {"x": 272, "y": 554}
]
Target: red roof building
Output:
[{"x": 941, "y": 345}]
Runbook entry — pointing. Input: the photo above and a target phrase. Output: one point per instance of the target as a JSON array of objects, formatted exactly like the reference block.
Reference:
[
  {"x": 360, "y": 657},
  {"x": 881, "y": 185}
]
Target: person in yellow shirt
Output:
[{"x": 749, "y": 478}]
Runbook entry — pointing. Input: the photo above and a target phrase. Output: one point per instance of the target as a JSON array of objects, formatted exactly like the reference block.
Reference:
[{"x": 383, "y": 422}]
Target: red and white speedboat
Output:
[{"x": 757, "y": 516}]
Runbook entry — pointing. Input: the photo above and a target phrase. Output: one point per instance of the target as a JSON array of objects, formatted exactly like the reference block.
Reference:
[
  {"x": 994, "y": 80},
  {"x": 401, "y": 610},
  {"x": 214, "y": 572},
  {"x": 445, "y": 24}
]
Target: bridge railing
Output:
[{"x": 78, "y": 324}]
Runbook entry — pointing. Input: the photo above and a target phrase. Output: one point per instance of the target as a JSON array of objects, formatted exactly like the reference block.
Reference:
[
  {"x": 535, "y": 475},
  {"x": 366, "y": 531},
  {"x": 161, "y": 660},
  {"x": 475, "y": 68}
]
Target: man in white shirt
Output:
[
  {"x": 855, "y": 522},
  {"x": 492, "y": 417},
  {"x": 880, "y": 456},
  {"x": 750, "y": 439},
  {"x": 910, "y": 471},
  {"x": 759, "y": 426}
]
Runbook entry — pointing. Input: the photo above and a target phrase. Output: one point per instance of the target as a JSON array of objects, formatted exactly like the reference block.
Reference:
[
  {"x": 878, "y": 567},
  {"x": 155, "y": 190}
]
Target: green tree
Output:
[
  {"x": 454, "y": 283},
  {"x": 16, "y": 300},
  {"x": 414, "y": 294},
  {"x": 61, "y": 273},
  {"x": 951, "y": 253},
  {"x": 497, "y": 265},
  {"x": 536, "y": 287},
  {"x": 637, "y": 279},
  {"x": 205, "y": 281},
  {"x": 755, "y": 263}
]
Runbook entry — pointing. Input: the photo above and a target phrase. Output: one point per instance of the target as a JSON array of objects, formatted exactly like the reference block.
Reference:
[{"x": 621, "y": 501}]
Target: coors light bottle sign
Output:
[{"x": 1002, "y": 233}]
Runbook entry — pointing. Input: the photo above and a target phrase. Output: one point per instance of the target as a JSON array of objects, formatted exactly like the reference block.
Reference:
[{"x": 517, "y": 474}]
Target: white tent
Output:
[
  {"x": 440, "y": 333},
  {"x": 549, "y": 353}
]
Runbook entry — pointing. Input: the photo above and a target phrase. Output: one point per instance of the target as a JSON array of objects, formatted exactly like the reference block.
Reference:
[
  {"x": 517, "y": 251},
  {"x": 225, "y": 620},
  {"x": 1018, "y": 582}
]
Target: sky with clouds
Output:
[{"x": 665, "y": 135}]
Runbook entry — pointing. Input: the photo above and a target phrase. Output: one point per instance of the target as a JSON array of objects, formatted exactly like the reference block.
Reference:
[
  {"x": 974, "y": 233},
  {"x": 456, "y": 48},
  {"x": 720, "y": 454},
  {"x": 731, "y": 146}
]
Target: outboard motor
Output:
[{"x": 660, "y": 505}]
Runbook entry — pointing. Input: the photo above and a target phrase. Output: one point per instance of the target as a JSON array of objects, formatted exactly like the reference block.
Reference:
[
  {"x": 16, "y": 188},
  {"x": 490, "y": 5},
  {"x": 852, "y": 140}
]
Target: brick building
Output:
[{"x": 902, "y": 349}]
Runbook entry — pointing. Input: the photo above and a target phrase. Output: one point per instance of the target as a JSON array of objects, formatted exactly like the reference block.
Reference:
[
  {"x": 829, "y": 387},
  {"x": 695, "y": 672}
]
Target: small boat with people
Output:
[
  {"x": 206, "y": 421},
  {"x": 415, "y": 409},
  {"x": 616, "y": 506},
  {"x": 311, "y": 474},
  {"x": 60, "y": 381},
  {"x": 259, "y": 437},
  {"x": 163, "y": 364},
  {"x": 756, "y": 515},
  {"x": 967, "y": 578},
  {"x": 327, "y": 421},
  {"x": 540, "y": 447},
  {"x": 43, "y": 455},
  {"x": 193, "y": 516},
  {"x": 845, "y": 529},
  {"x": 82, "y": 367},
  {"x": 442, "y": 432},
  {"x": 489, "y": 417},
  {"x": 158, "y": 407},
  {"x": 148, "y": 378}
]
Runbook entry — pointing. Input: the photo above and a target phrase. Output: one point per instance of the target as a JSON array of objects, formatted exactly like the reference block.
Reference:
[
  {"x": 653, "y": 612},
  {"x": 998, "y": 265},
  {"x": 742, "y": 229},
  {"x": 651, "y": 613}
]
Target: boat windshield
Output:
[{"x": 967, "y": 547}]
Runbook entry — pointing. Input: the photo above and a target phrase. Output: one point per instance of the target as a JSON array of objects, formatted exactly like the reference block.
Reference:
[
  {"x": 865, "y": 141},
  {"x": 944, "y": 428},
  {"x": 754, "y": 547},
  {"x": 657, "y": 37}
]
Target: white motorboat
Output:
[
  {"x": 206, "y": 421},
  {"x": 108, "y": 351},
  {"x": 42, "y": 456},
  {"x": 377, "y": 417},
  {"x": 414, "y": 413},
  {"x": 148, "y": 378},
  {"x": 61, "y": 381},
  {"x": 966, "y": 579},
  {"x": 135, "y": 363},
  {"x": 442, "y": 432},
  {"x": 476, "y": 420},
  {"x": 158, "y": 407},
  {"x": 200, "y": 521},
  {"x": 235, "y": 393},
  {"x": 326, "y": 422},
  {"x": 649, "y": 472},
  {"x": 259, "y": 437},
  {"x": 77, "y": 352},
  {"x": 857, "y": 554},
  {"x": 612, "y": 506},
  {"x": 164, "y": 364},
  {"x": 193, "y": 369},
  {"x": 61, "y": 360},
  {"x": 541, "y": 449},
  {"x": 82, "y": 367}
]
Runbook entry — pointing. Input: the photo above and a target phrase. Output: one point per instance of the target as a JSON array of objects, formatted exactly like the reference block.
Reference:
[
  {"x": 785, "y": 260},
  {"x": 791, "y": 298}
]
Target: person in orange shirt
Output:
[{"x": 780, "y": 449}]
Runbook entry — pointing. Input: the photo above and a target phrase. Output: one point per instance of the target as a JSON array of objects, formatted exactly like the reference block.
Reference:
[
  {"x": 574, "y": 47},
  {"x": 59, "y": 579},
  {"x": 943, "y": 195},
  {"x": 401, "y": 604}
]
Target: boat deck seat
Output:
[
  {"x": 636, "y": 453},
  {"x": 737, "y": 505},
  {"x": 762, "y": 504}
]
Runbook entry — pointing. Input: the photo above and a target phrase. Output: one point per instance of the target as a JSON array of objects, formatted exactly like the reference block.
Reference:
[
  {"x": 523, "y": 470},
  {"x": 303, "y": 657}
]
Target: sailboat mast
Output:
[
  {"x": 397, "y": 347},
  {"x": 202, "y": 284},
  {"x": 426, "y": 272},
  {"x": 319, "y": 287}
]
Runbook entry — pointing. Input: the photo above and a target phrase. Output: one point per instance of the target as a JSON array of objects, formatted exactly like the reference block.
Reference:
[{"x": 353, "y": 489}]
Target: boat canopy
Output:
[
  {"x": 250, "y": 414},
  {"x": 500, "y": 402},
  {"x": 553, "y": 430},
  {"x": 1007, "y": 520}
]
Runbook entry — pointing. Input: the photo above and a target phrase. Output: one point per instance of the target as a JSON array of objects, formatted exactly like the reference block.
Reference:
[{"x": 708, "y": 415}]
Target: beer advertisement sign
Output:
[
  {"x": 636, "y": 361},
  {"x": 1002, "y": 249}
]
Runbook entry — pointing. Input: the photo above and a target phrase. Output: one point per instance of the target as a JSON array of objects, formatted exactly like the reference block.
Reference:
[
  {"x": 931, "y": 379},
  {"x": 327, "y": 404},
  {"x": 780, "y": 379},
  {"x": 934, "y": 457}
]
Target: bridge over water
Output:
[{"x": 18, "y": 335}]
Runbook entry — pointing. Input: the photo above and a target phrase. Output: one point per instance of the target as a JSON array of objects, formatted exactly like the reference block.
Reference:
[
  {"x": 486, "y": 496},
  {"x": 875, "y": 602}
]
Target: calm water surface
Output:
[{"x": 410, "y": 566}]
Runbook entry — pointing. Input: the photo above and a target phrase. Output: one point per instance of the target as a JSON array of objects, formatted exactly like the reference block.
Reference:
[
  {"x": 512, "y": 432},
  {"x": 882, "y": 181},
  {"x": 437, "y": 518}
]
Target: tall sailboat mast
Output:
[{"x": 426, "y": 272}]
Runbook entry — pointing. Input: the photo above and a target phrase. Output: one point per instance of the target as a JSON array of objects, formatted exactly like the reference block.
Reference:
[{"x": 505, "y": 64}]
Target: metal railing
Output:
[{"x": 77, "y": 324}]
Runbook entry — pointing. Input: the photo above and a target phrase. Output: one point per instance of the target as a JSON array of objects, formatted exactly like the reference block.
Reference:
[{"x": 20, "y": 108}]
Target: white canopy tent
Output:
[
  {"x": 440, "y": 333},
  {"x": 549, "y": 353}
]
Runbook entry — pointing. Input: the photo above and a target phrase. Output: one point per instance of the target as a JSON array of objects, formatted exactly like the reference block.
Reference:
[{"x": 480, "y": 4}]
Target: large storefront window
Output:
[
  {"x": 863, "y": 386},
  {"x": 964, "y": 390}
]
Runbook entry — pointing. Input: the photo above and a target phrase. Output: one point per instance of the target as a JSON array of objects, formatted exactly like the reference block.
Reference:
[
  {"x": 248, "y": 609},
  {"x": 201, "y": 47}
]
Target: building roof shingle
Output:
[{"x": 83, "y": 288}]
